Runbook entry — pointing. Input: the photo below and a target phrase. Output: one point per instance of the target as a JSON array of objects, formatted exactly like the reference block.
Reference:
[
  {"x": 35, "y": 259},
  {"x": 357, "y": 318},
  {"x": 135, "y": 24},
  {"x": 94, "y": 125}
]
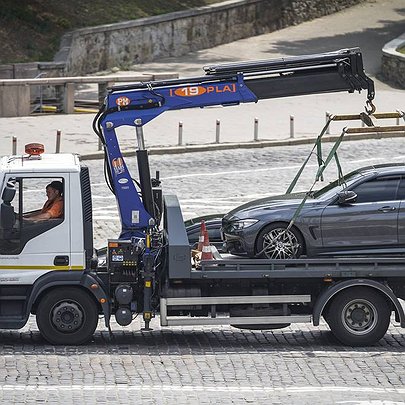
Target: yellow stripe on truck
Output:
[{"x": 41, "y": 268}]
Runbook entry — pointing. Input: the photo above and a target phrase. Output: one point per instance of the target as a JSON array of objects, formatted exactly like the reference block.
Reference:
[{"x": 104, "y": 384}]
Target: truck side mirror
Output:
[
  {"x": 347, "y": 197},
  {"x": 7, "y": 215},
  {"x": 8, "y": 193}
]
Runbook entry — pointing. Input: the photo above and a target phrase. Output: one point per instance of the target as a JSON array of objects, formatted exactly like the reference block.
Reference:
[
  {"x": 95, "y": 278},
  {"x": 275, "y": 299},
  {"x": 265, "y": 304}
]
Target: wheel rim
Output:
[
  {"x": 280, "y": 243},
  {"x": 67, "y": 316},
  {"x": 359, "y": 316}
]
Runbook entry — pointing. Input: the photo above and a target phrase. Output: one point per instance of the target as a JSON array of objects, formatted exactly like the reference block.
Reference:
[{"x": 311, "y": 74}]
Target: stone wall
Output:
[
  {"x": 89, "y": 50},
  {"x": 393, "y": 62}
]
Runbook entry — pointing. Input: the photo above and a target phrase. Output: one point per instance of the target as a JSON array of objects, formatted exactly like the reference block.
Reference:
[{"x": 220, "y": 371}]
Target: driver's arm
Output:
[{"x": 39, "y": 217}]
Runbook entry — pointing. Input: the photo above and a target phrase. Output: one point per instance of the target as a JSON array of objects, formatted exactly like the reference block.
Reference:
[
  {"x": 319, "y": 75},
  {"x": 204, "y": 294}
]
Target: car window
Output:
[
  {"x": 378, "y": 189},
  {"x": 401, "y": 189},
  {"x": 214, "y": 233},
  {"x": 338, "y": 185}
]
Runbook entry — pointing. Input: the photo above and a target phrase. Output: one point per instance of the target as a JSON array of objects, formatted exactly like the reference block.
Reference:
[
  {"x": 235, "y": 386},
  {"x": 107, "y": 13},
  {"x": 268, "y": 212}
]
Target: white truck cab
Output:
[{"x": 29, "y": 249}]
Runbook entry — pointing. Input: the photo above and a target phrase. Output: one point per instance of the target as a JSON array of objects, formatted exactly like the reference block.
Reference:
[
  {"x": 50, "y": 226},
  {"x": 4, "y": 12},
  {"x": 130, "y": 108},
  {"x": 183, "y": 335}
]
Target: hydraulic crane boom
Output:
[{"x": 228, "y": 84}]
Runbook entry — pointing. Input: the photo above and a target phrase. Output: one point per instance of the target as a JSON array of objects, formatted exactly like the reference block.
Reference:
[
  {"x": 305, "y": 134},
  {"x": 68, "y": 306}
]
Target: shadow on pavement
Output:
[{"x": 370, "y": 41}]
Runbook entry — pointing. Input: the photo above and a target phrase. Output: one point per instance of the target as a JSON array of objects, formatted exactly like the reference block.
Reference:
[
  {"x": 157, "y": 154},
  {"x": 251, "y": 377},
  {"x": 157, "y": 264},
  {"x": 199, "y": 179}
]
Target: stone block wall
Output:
[
  {"x": 393, "y": 62},
  {"x": 93, "y": 49}
]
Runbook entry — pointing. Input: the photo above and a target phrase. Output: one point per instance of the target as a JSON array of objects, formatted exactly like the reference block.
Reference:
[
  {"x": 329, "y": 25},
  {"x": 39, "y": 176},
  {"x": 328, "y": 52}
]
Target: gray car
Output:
[{"x": 361, "y": 214}]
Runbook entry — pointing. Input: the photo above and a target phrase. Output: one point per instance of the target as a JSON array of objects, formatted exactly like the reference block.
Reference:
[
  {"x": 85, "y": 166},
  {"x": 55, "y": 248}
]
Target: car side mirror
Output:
[{"x": 347, "y": 197}]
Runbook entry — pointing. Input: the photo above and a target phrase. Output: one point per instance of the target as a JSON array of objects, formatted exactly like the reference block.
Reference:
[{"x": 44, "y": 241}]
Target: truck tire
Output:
[
  {"x": 67, "y": 316},
  {"x": 359, "y": 316}
]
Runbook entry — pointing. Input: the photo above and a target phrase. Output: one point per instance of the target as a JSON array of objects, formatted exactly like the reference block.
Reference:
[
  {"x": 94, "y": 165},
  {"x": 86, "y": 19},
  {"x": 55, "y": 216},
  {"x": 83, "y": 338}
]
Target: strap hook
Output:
[{"x": 370, "y": 107}]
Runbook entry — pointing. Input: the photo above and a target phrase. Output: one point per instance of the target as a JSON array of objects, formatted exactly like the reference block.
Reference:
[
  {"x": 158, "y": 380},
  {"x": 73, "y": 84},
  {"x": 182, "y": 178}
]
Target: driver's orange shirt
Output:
[{"x": 55, "y": 208}]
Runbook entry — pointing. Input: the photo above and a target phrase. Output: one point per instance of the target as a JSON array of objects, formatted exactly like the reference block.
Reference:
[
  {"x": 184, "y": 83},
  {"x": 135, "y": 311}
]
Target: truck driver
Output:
[{"x": 53, "y": 207}]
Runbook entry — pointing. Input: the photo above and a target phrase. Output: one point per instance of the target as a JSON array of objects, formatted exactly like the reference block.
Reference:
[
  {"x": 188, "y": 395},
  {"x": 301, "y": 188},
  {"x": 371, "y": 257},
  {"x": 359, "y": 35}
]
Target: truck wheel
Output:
[
  {"x": 67, "y": 316},
  {"x": 276, "y": 242},
  {"x": 359, "y": 316}
]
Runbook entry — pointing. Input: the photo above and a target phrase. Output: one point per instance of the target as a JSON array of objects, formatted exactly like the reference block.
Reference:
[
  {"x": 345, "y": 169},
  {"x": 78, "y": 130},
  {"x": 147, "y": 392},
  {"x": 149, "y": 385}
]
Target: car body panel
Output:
[{"x": 328, "y": 227}]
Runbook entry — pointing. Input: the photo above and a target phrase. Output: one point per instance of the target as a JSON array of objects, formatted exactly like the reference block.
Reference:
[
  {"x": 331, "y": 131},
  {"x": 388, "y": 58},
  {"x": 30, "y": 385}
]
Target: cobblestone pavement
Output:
[{"x": 202, "y": 365}]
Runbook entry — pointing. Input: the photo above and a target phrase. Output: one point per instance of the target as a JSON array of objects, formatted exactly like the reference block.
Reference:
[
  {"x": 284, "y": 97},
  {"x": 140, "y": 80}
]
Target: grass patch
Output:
[{"x": 31, "y": 30}]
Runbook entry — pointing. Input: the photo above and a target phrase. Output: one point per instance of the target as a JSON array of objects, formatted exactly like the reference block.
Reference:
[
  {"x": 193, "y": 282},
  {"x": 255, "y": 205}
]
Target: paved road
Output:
[{"x": 203, "y": 365}]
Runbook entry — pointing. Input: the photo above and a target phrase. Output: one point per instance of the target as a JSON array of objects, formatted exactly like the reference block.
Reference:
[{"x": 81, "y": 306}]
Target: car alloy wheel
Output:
[{"x": 278, "y": 242}]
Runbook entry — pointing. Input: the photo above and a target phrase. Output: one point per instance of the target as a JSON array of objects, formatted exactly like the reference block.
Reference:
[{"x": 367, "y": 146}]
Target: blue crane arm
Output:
[{"x": 228, "y": 84}]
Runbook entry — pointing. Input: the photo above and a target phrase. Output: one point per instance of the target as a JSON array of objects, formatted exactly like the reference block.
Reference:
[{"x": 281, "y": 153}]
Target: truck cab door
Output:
[{"x": 39, "y": 246}]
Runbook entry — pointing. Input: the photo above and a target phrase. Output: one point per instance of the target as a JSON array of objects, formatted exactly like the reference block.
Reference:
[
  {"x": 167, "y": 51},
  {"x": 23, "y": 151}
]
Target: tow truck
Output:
[{"x": 50, "y": 269}]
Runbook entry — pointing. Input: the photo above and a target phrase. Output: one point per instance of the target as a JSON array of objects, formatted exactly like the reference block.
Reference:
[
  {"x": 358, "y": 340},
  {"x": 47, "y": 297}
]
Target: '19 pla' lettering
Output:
[{"x": 193, "y": 91}]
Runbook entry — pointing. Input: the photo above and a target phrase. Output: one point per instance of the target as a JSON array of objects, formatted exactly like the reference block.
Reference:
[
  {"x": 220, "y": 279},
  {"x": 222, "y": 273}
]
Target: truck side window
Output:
[
  {"x": 35, "y": 209},
  {"x": 42, "y": 199}
]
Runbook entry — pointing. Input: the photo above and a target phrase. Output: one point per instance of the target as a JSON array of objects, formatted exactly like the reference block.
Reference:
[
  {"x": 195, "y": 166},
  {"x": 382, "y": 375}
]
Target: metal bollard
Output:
[
  {"x": 180, "y": 141},
  {"x": 100, "y": 144},
  {"x": 327, "y": 116},
  {"x": 217, "y": 130},
  {"x": 58, "y": 136},
  {"x": 256, "y": 130},
  {"x": 14, "y": 145},
  {"x": 397, "y": 119},
  {"x": 291, "y": 126}
]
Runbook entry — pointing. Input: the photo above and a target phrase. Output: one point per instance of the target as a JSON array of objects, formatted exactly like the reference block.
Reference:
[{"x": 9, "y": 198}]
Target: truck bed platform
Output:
[{"x": 229, "y": 266}]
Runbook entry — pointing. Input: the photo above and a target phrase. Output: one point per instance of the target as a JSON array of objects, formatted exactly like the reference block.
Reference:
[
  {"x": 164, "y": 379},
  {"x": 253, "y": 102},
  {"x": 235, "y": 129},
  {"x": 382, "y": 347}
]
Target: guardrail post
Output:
[
  {"x": 58, "y": 136},
  {"x": 102, "y": 91},
  {"x": 256, "y": 130},
  {"x": 291, "y": 126},
  {"x": 180, "y": 141},
  {"x": 217, "y": 130},
  {"x": 69, "y": 98},
  {"x": 14, "y": 145}
]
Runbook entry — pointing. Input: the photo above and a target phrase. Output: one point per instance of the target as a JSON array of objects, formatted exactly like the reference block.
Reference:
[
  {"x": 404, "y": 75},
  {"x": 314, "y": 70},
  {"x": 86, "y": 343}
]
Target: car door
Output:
[
  {"x": 369, "y": 223},
  {"x": 401, "y": 213}
]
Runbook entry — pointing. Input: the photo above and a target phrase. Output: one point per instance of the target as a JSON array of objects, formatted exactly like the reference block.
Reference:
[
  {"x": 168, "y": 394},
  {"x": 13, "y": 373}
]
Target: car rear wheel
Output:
[{"x": 275, "y": 241}]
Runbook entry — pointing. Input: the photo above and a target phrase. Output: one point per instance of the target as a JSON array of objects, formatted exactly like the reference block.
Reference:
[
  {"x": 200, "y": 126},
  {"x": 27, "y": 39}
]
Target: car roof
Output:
[{"x": 384, "y": 168}]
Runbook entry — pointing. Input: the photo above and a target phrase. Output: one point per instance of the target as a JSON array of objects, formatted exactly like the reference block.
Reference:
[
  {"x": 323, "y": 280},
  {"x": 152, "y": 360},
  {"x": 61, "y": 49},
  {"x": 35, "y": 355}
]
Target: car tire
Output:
[
  {"x": 67, "y": 316},
  {"x": 359, "y": 316},
  {"x": 276, "y": 242}
]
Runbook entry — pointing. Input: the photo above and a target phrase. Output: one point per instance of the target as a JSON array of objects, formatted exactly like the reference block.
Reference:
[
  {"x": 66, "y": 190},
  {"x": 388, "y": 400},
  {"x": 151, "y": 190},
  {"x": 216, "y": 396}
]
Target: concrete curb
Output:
[{"x": 171, "y": 150}]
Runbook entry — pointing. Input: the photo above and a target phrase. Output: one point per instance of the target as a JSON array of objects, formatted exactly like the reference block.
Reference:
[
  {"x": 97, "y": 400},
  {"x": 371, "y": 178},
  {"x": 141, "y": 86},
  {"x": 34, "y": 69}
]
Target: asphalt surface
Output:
[{"x": 298, "y": 365}]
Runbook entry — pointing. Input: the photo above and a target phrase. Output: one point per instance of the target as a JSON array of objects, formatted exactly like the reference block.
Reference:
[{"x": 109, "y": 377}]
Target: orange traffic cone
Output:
[
  {"x": 206, "y": 250},
  {"x": 201, "y": 237}
]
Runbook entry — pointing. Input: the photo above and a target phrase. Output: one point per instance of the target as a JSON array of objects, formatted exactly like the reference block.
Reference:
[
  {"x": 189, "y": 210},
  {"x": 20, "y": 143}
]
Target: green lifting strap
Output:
[
  {"x": 339, "y": 169},
  {"x": 332, "y": 154},
  {"x": 319, "y": 154}
]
